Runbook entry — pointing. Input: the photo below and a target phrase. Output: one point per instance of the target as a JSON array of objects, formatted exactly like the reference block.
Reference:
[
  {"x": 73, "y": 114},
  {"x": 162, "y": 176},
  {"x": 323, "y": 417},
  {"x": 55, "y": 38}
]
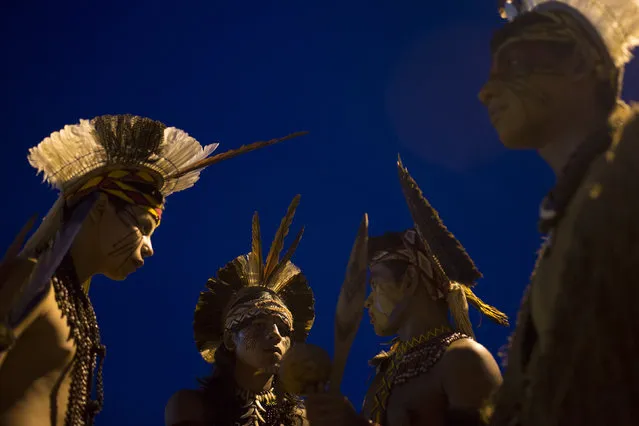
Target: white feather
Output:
[
  {"x": 63, "y": 154},
  {"x": 616, "y": 21},
  {"x": 68, "y": 155},
  {"x": 178, "y": 151}
]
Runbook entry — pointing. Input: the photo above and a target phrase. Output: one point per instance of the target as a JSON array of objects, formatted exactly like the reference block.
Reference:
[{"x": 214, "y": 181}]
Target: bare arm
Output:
[
  {"x": 470, "y": 377},
  {"x": 185, "y": 408}
]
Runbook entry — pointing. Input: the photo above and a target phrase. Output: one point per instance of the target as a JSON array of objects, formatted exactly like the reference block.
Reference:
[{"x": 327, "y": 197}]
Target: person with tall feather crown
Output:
[
  {"x": 114, "y": 173},
  {"x": 554, "y": 86},
  {"x": 435, "y": 372},
  {"x": 248, "y": 317}
]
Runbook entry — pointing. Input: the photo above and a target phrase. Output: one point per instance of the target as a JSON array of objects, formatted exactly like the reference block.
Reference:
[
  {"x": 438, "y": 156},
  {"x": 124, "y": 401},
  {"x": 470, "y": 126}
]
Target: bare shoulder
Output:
[
  {"x": 469, "y": 354},
  {"x": 470, "y": 374},
  {"x": 186, "y": 406}
]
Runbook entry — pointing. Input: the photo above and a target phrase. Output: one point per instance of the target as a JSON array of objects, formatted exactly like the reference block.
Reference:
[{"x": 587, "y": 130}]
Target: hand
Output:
[
  {"x": 328, "y": 409},
  {"x": 10, "y": 264},
  {"x": 13, "y": 272}
]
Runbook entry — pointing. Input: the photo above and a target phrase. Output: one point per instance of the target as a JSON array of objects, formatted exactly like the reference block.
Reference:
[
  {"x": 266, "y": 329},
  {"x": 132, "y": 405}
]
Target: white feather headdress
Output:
[
  {"x": 79, "y": 151},
  {"x": 170, "y": 159},
  {"x": 616, "y": 21}
]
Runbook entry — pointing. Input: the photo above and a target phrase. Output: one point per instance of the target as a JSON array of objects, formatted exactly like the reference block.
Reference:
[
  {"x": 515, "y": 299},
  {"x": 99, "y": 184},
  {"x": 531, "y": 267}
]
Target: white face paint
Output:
[
  {"x": 387, "y": 297},
  {"x": 535, "y": 88}
]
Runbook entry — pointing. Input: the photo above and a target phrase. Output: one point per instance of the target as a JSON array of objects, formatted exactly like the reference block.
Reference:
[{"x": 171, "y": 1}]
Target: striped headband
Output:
[
  {"x": 414, "y": 254},
  {"x": 125, "y": 185},
  {"x": 255, "y": 308}
]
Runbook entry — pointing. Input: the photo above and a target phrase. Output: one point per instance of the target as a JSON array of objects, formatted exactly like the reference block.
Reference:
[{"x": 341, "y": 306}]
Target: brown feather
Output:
[
  {"x": 448, "y": 251},
  {"x": 278, "y": 241},
  {"x": 350, "y": 304},
  {"x": 273, "y": 283},
  {"x": 256, "y": 245},
  {"x": 206, "y": 162}
]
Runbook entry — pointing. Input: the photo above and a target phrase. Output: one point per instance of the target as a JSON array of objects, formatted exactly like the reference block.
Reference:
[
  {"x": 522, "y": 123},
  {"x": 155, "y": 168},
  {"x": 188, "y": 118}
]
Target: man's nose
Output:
[
  {"x": 486, "y": 94},
  {"x": 274, "y": 334},
  {"x": 369, "y": 301},
  {"x": 147, "y": 248}
]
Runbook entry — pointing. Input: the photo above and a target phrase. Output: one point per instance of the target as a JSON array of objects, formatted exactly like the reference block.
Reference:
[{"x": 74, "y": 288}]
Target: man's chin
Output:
[
  {"x": 520, "y": 137},
  {"x": 118, "y": 276},
  {"x": 512, "y": 140},
  {"x": 269, "y": 369},
  {"x": 382, "y": 332}
]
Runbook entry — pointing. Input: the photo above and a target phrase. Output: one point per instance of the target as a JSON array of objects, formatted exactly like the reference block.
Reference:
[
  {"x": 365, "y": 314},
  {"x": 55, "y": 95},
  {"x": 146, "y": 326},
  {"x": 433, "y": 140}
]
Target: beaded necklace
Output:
[
  {"x": 77, "y": 308},
  {"x": 410, "y": 359}
]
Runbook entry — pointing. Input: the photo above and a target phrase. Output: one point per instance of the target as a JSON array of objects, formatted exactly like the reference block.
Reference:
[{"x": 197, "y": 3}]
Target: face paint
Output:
[
  {"x": 262, "y": 343},
  {"x": 526, "y": 57},
  {"x": 387, "y": 300},
  {"x": 124, "y": 239},
  {"x": 532, "y": 84}
]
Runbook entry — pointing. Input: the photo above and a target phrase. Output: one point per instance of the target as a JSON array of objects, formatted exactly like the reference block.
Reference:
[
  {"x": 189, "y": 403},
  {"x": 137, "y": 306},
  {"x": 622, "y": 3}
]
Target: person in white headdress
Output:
[
  {"x": 555, "y": 86},
  {"x": 114, "y": 174}
]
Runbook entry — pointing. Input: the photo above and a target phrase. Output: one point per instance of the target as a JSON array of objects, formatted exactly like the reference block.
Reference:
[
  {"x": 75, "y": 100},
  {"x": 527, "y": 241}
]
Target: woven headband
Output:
[
  {"x": 121, "y": 184},
  {"x": 263, "y": 306},
  {"x": 411, "y": 253}
]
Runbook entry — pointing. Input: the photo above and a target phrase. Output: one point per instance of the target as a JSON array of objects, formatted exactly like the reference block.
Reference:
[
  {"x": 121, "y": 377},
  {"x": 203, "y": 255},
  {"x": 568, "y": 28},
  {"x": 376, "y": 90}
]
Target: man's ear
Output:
[
  {"x": 99, "y": 207},
  {"x": 410, "y": 281}
]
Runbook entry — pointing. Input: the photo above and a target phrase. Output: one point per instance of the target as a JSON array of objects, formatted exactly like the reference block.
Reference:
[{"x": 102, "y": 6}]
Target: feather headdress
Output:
[
  {"x": 78, "y": 151},
  {"x": 438, "y": 254},
  {"x": 616, "y": 22},
  {"x": 242, "y": 284},
  {"x": 172, "y": 157},
  {"x": 136, "y": 159}
]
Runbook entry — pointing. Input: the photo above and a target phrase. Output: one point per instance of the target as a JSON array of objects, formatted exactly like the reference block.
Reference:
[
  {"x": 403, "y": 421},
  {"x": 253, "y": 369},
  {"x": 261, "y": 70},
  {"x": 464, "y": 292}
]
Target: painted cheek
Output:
[
  {"x": 285, "y": 344},
  {"x": 383, "y": 304}
]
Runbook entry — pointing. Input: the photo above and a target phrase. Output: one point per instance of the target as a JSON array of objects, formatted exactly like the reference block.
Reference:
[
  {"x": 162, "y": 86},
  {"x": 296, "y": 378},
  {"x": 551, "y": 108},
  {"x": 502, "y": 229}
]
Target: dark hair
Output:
[
  {"x": 388, "y": 242},
  {"x": 385, "y": 242}
]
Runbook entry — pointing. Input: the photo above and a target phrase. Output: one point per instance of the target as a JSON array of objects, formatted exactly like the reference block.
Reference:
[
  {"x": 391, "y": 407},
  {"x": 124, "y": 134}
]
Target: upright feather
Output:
[
  {"x": 256, "y": 246},
  {"x": 278, "y": 241},
  {"x": 273, "y": 282},
  {"x": 448, "y": 251}
]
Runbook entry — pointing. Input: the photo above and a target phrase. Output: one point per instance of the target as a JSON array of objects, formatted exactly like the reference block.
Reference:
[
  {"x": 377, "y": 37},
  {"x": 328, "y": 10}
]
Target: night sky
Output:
[{"x": 367, "y": 79}]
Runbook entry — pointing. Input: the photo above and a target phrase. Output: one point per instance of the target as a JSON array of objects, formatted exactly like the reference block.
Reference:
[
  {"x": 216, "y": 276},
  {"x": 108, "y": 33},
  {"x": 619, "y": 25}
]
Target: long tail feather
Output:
[{"x": 206, "y": 162}]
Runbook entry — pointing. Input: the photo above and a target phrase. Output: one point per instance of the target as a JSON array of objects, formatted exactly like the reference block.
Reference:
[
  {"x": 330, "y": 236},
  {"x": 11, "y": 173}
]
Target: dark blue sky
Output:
[{"x": 368, "y": 79}]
